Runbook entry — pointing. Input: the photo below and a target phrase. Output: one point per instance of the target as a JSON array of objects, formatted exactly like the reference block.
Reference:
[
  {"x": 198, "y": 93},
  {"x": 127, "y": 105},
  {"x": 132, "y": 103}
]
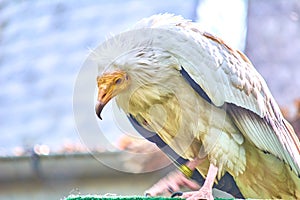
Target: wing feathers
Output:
[{"x": 263, "y": 135}]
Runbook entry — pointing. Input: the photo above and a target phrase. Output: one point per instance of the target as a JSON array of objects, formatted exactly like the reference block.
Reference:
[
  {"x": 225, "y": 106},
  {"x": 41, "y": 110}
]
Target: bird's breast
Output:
[{"x": 184, "y": 120}]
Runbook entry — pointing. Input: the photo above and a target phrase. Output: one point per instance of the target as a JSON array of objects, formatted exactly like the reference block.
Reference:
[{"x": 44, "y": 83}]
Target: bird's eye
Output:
[{"x": 118, "y": 81}]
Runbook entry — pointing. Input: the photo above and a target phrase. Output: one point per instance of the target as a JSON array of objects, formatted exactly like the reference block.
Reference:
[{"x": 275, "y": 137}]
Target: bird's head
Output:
[
  {"x": 110, "y": 84},
  {"x": 129, "y": 71}
]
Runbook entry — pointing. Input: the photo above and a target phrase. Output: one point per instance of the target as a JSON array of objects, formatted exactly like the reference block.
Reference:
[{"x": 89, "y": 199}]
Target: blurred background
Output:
[{"x": 44, "y": 152}]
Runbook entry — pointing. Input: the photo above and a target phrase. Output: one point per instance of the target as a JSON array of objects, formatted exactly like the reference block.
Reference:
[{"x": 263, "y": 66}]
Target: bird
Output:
[{"x": 205, "y": 100}]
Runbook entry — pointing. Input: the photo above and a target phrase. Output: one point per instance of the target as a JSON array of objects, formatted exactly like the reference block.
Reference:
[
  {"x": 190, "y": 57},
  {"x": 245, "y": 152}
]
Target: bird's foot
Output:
[
  {"x": 203, "y": 193},
  {"x": 206, "y": 190}
]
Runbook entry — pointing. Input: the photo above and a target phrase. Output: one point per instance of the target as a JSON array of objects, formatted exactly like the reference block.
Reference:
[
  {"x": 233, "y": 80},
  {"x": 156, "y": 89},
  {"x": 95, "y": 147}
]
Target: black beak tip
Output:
[
  {"x": 98, "y": 108},
  {"x": 99, "y": 116}
]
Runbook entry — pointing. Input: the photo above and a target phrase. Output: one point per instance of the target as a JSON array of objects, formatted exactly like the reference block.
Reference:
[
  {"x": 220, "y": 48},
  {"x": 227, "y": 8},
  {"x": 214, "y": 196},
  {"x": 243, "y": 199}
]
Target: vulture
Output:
[{"x": 205, "y": 100}]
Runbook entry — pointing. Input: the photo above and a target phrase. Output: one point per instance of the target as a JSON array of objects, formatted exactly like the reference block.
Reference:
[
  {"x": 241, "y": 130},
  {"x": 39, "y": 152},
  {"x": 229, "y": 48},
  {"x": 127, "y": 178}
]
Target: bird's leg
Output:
[
  {"x": 174, "y": 181},
  {"x": 192, "y": 164},
  {"x": 205, "y": 191}
]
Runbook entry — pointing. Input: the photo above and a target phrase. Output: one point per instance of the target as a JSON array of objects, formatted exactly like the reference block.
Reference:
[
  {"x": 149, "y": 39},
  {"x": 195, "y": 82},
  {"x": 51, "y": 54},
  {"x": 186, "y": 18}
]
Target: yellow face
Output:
[{"x": 110, "y": 85}]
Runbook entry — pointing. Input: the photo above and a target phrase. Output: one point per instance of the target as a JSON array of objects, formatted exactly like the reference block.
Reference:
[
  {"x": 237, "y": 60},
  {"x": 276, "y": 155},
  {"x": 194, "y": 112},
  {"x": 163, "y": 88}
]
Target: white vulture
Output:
[{"x": 205, "y": 100}]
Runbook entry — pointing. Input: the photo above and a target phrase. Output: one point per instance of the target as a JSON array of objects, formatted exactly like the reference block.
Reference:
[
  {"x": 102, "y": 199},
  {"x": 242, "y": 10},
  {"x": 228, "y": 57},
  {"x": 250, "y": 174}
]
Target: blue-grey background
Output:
[
  {"x": 44, "y": 43},
  {"x": 42, "y": 47}
]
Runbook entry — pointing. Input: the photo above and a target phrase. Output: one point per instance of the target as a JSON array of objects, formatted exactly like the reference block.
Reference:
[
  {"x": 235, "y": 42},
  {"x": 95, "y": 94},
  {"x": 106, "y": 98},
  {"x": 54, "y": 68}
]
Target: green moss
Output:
[{"x": 99, "y": 197}]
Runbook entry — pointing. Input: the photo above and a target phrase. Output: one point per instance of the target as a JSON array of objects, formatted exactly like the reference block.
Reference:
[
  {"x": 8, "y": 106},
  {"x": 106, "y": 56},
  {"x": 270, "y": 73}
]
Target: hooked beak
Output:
[
  {"x": 98, "y": 108},
  {"x": 103, "y": 99}
]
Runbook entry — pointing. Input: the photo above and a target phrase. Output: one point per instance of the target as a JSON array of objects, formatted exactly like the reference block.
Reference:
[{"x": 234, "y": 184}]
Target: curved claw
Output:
[{"x": 177, "y": 194}]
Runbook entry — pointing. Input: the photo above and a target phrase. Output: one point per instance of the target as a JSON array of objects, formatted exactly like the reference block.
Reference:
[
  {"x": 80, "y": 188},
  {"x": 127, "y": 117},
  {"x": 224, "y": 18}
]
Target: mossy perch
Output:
[{"x": 103, "y": 197}]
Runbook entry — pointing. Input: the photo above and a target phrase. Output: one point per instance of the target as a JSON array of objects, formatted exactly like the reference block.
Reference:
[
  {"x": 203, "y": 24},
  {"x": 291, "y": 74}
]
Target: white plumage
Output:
[{"x": 236, "y": 120}]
